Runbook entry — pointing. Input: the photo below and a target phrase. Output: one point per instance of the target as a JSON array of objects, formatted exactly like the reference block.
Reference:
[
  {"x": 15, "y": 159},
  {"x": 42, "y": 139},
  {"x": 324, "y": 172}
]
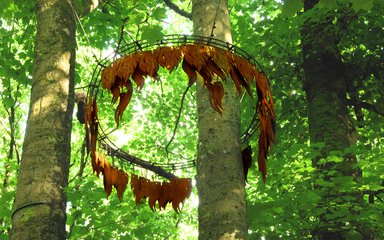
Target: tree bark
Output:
[
  {"x": 40, "y": 204},
  {"x": 220, "y": 177},
  {"x": 325, "y": 84}
]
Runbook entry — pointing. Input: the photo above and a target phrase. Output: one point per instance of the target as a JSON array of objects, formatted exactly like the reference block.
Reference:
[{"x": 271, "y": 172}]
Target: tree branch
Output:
[
  {"x": 365, "y": 105},
  {"x": 178, "y": 10},
  {"x": 134, "y": 160},
  {"x": 371, "y": 107},
  {"x": 178, "y": 119}
]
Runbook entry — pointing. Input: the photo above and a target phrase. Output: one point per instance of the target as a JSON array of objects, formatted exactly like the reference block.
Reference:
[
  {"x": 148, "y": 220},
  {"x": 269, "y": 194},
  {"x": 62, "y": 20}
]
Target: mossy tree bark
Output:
[
  {"x": 220, "y": 178},
  {"x": 325, "y": 83},
  {"x": 40, "y": 204}
]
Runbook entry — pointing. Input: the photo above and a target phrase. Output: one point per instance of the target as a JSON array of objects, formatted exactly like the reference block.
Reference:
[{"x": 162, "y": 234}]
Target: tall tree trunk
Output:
[
  {"x": 40, "y": 205},
  {"x": 220, "y": 178},
  {"x": 329, "y": 123}
]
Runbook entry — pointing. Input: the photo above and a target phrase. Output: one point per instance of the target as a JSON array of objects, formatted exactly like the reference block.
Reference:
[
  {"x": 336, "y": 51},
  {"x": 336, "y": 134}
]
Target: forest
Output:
[{"x": 192, "y": 119}]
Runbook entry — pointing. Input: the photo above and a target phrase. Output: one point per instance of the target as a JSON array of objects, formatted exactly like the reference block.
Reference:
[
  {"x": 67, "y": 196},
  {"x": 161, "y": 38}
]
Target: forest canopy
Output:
[{"x": 324, "y": 64}]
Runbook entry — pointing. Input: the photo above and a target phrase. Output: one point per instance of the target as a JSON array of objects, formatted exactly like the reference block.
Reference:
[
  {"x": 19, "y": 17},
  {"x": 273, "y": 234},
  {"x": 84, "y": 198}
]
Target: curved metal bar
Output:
[{"x": 171, "y": 40}]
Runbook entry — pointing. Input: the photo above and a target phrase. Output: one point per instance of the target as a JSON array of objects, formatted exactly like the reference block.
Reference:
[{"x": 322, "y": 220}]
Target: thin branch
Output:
[
  {"x": 233, "y": 5},
  {"x": 120, "y": 38},
  {"x": 93, "y": 5},
  {"x": 214, "y": 20},
  {"x": 374, "y": 194},
  {"x": 83, "y": 161},
  {"x": 365, "y": 105},
  {"x": 176, "y": 226},
  {"x": 178, "y": 10},
  {"x": 134, "y": 160},
  {"x": 74, "y": 216},
  {"x": 17, "y": 153},
  {"x": 178, "y": 119},
  {"x": 371, "y": 107}
]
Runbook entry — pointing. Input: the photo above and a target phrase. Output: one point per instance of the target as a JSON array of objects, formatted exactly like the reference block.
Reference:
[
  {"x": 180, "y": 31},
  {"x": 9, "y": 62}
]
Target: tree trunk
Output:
[
  {"x": 220, "y": 178},
  {"x": 325, "y": 84},
  {"x": 40, "y": 204}
]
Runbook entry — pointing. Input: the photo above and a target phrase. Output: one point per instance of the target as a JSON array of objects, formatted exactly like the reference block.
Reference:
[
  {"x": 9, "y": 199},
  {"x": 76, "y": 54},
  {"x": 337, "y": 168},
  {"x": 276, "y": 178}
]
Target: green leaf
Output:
[
  {"x": 4, "y": 4},
  {"x": 152, "y": 33},
  {"x": 334, "y": 159},
  {"x": 291, "y": 7},
  {"x": 8, "y": 102},
  {"x": 362, "y": 4},
  {"x": 377, "y": 216},
  {"x": 18, "y": 94},
  {"x": 353, "y": 235},
  {"x": 311, "y": 196},
  {"x": 327, "y": 3},
  {"x": 324, "y": 183},
  {"x": 158, "y": 13},
  {"x": 279, "y": 210}
]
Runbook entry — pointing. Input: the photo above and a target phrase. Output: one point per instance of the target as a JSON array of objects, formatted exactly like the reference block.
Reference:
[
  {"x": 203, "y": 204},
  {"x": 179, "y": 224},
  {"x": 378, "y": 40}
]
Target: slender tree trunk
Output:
[
  {"x": 220, "y": 178},
  {"x": 40, "y": 205},
  {"x": 329, "y": 123}
]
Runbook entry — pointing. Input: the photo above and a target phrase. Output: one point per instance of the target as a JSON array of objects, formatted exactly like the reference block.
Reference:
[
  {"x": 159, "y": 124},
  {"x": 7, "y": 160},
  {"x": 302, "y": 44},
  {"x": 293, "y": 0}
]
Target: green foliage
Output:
[
  {"x": 16, "y": 65},
  {"x": 362, "y": 4},
  {"x": 291, "y": 7},
  {"x": 357, "y": 5},
  {"x": 328, "y": 3},
  {"x": 289, "y": 205},
  {"x": 152, "y": 33},
  {"x": 286, "y": 206}
]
